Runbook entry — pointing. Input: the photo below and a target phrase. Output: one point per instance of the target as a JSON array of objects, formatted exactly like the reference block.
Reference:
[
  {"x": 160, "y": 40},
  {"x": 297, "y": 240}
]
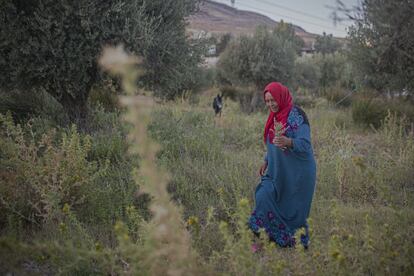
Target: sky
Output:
[{"x": 312, "y": 15}]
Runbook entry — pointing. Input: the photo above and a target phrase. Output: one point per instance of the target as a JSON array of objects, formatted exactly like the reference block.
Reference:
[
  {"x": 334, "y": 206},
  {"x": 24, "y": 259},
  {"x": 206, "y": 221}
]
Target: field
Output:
[{"x": 84, "y": 214}]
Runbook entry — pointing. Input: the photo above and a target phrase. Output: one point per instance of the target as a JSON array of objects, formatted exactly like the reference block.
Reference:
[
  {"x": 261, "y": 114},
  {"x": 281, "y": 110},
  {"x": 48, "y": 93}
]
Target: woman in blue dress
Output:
[{"x": 284, "y": 195}]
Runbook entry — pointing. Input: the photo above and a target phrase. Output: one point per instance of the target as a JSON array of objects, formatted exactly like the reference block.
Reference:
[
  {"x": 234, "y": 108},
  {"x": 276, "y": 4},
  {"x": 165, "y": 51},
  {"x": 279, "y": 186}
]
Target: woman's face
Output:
[{"x": 270, "y": 102}]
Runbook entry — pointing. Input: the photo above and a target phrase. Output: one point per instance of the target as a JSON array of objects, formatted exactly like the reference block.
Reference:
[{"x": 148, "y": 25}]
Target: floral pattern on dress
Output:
[
  {"x": 277, "y": 231},
  {"x": 295, "y": 119}
]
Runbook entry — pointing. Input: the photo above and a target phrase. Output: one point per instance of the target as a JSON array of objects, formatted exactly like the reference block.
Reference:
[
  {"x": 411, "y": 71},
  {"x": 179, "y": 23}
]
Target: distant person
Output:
[
  {"x": 283, "y": 197},
  {"x": 218, "y": 105}
]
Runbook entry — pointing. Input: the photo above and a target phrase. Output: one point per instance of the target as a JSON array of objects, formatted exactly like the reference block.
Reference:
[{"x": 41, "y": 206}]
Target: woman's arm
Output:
[{"x": 302, "y": 140}]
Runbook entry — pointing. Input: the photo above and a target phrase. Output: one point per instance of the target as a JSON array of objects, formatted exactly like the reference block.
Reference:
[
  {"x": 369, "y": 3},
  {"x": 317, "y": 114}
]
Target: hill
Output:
[{"x": 219, "y": 18}]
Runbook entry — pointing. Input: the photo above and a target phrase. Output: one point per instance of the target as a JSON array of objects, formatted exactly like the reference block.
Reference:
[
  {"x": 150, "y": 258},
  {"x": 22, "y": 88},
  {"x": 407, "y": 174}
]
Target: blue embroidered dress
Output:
[{"x": 284, "y": 195}]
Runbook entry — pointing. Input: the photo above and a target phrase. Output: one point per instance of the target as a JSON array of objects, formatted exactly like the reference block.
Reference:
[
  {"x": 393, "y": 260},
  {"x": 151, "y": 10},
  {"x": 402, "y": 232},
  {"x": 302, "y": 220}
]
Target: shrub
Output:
[
  {"x": 104, "y": 95},
  {"x": 248, "y": 97},
  {"x": 41, "y": 176},
  {"x": 306, "y": 74},
  {"x": 368, "y": 112},
  {"x": 258, "y": 60},
  {"x": 339, "y": 96}
]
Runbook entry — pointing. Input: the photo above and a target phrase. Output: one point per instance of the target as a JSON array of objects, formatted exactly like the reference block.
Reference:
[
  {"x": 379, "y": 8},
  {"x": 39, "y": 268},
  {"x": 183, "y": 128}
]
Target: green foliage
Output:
[
  {"x": 223, "y": 42},
  {"x": 45, "y": 168},
  {"x": 40, "y": 177},
  {"x": 361, "y": 218},
  {"x": 332, "y": 68},
  {"x": 326, "y": 44},
  {"x": 248, "y": 97},
  {"x": 323, "y": 73},
  {"x": 104, "y": 95},
  {"x": 372, "y": 111},
  {"x": 56, "y": 44},
  {"x": 338, "y": 96},
  {"x": 368, "y": 112},
  {"x": 286, "y": 32},
  {"x": 258, "y": 60},
  {"x": 170, "y": 60},
  {"x": 381, "y": 42},
  {"x": 307, "y": 74}
]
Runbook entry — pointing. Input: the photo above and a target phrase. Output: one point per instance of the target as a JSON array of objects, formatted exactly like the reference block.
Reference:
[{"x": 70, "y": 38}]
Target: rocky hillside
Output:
[{"x": 219, "y": 18}]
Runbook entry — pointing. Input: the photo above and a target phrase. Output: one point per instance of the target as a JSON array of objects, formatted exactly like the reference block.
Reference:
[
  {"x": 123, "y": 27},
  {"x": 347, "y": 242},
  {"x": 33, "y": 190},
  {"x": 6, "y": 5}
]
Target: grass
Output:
[
  {"x": 363, "y": 204},
  {"x": 361, "y": 218}
]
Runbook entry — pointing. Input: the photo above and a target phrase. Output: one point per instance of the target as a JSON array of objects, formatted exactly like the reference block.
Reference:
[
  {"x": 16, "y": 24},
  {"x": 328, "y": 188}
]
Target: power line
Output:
[
  {"x": 295, "y": 11},
  {"x": 290, "y": 17}
]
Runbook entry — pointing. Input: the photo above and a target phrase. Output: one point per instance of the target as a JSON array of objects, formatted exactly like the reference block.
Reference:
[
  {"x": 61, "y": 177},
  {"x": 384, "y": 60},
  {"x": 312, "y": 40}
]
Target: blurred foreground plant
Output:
[{"x": 167, "y": 243}]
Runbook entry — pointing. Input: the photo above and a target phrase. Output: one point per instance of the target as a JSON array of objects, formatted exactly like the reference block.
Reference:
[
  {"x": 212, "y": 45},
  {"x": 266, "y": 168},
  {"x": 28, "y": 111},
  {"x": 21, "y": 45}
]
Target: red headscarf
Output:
[{"x": 284, "y": 102}]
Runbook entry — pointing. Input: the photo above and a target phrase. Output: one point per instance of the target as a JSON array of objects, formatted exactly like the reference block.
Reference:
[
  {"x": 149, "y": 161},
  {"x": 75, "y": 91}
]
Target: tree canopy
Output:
[
  {"x": 265, "y": 57},
  {"x": 54, "y": 45},
  {"x": 382, "y": 43}
]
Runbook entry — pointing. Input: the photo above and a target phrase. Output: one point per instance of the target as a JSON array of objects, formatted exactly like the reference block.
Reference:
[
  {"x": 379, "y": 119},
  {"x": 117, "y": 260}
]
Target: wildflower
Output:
[
  {"x": 62, "y": 227},
  {"x": 192, "y": 221},
  {"x": 270, "y": 215},
  {"x": 125, "y": 237},
  {"x": 98, "y": 246},
  {"x": 335, "y": 254},
  {"x": 256, "y": 247},
  {"x": 358, "y": 161},
  {"x": 244, "y": 202},
  {"x": 66, "y": 208}
]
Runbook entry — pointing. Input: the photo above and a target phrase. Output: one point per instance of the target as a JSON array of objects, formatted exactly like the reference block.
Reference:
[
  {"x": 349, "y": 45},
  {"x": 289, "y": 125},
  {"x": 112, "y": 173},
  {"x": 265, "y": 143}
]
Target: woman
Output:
[{"x": 284, "y": 195}]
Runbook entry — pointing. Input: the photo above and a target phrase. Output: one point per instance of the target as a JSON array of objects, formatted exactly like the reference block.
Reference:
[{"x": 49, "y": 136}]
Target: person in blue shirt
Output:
[{"x": 283, "y": 197}]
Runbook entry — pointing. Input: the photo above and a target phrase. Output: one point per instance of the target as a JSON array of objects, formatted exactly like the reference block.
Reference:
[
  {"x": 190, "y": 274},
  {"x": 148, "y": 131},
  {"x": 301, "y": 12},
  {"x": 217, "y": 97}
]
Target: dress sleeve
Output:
[{"x": 302, "y": 140}]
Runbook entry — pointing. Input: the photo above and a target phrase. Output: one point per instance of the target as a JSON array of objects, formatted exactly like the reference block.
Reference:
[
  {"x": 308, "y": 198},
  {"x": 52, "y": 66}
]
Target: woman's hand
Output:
[
  {"x": 263, "y": 168},
  {"x": 282, "y": 142}
]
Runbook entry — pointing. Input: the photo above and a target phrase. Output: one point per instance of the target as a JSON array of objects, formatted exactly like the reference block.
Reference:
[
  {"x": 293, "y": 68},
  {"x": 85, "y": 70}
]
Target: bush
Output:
[
  {"x": 41, "y": 176},
  {"x": 46, "y": 168},
  {"x": 258, "y": 60},
  {"x": 338, "y": 96},
  {"x": 104, "y": 95},
  {"x": 371, "y": 111},
  {"x": 368, "y": 112},
  {"x": 306, "y": 74},
  {"x": 249, "y": 98},
  {"x": 402, "y": 108}
]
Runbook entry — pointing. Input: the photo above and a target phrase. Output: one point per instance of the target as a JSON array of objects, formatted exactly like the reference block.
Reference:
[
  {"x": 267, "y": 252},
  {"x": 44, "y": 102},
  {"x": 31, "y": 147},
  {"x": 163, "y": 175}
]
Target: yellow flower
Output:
[
  {"x": 98, "y": 246},
  {"x": 192, "y": 220},
  {"x": 335, "y": 254},
  {"x": 62, "y": 227},
  {"x": 244, "y": 202},
  {"x": 66, "y": 208}
]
